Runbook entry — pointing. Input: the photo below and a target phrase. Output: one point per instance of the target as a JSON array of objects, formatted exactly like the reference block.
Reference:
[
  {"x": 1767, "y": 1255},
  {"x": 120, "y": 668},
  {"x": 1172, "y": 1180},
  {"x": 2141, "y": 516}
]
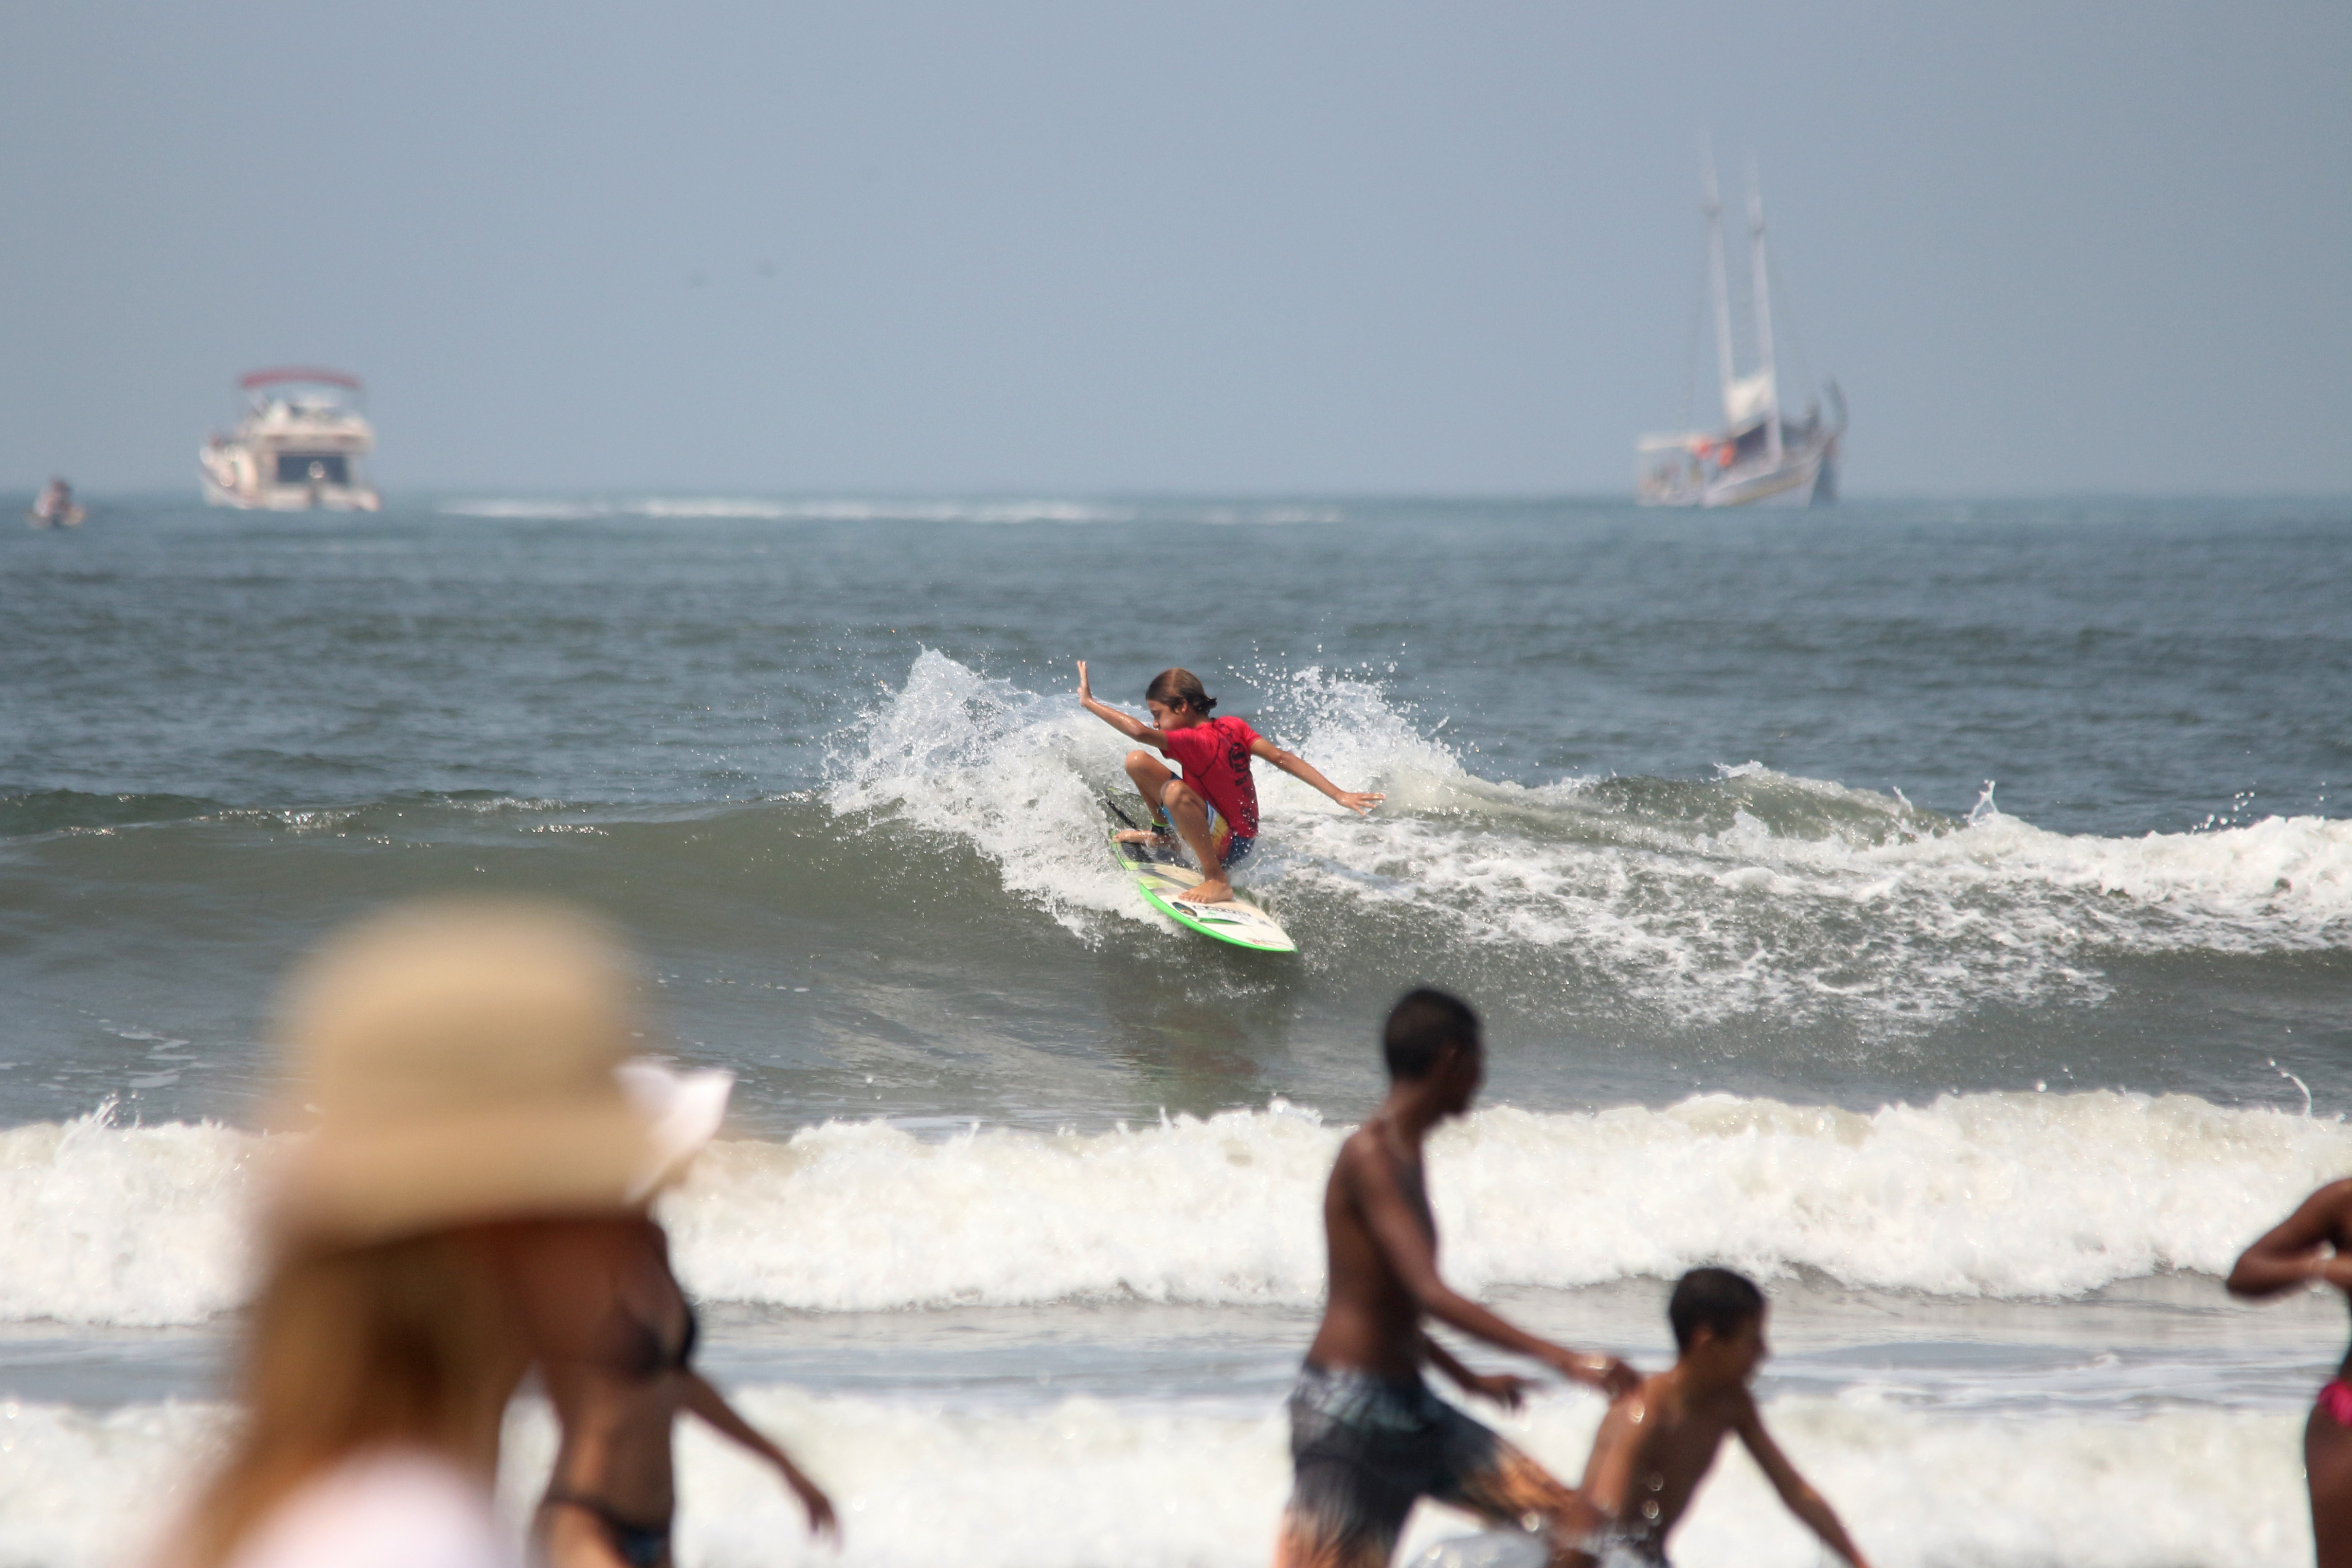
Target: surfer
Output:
[
  {"x": 1656, "y": 1443},
  {"x": 2313, "y": 1247},
  {"x": 1367, "y": 1435},
  {"x": 1213, "y": 806}
]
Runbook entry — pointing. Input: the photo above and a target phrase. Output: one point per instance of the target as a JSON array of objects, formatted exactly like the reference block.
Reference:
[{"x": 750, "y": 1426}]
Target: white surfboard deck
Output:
[{"x": 1237, "y": 920}]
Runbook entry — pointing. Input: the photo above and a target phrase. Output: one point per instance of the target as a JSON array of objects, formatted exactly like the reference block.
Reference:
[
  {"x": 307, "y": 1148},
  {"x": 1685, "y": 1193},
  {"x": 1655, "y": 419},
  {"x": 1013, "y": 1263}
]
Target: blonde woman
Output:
[{"x": 456, "y": 1063}]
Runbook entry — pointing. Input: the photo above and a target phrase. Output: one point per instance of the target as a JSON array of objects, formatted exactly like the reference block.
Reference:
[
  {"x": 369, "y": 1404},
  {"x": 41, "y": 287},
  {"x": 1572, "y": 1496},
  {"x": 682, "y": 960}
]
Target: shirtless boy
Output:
[
  {"x": 1213, "y": 808},
  {"x": 1656, "y": 1443},
  {"x": 1367, "y": 1435}
]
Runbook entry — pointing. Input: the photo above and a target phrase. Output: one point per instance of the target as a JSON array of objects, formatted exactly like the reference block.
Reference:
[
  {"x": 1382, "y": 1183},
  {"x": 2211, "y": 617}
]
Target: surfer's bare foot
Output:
[
  {"x": 1211, "y": 891},
  {"x": 1141, "y": 836}
]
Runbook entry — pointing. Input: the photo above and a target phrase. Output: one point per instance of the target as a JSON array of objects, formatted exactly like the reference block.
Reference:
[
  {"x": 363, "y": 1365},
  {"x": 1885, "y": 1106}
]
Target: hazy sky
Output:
[{"x": 1104, "y": 246}]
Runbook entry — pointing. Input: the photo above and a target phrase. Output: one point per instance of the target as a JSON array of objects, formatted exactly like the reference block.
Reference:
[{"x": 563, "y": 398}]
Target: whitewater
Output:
[
  {"x": 1089, "y": 1482},
  {"x": 1750, "y": 890},
  {"x": 1942, "y": 913},
  {"x": 2001, "y": 1196}
]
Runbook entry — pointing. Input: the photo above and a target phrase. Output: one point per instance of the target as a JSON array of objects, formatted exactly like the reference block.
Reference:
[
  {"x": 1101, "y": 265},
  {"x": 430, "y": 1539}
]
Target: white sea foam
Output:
[
  {"x": 1751, "y": 892},
  {"x": 1086, "y": 1484},
  {"x": 1017, "y": 774},
  {"x": 1983, "y": 1194},
  {"x": 81, "y": 1489},
  {"x": 870, "y": 508},
  {"x": 1012, "y": 509},
  {"x": 526, "y": 509},
  {"x": 2017, "y": 1194},
  {"x": 100, "y": 1223}
]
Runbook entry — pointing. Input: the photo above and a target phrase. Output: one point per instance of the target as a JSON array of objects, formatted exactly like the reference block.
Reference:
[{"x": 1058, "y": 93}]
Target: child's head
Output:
[
  {"x": 1178, "y": 694},
  {"x": 1718, "y": 1319},
  {"x": 1431, "y": 1034}
]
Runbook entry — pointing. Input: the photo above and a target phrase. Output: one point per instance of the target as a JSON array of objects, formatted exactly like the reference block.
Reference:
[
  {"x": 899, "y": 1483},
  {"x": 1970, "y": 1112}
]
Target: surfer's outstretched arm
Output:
[
  {"x": 1127, "y": 724},
  {"x": 1299, "y": 768}
]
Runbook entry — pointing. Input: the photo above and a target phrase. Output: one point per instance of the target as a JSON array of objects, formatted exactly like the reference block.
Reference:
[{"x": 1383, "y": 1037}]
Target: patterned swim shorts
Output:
[
  {"x": 1231, "y": 850},
  {"x": 1364, "y": 1449}
]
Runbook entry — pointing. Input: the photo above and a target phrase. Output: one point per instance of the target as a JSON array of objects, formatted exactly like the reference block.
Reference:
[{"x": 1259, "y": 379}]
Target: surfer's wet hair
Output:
[
  {"x": 1716, "y": 1299},
  {"x": 1420, "y": 1026},
  {"x": 1179, "y": 689}
]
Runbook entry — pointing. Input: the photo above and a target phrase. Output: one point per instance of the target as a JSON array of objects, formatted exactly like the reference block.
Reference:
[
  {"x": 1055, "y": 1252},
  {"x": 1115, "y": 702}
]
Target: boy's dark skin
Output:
[
  {"x": 1657, "y": 1443},
  {"x": 1383, "y": 1263}
]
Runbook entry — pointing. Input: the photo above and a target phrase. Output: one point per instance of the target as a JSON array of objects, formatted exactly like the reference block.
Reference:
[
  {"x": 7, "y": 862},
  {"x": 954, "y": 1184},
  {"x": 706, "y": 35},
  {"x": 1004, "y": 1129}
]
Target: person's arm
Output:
[
  {"x": 2299, "y": 1250},
  {"x": 1502, "y": 1387},
  {"x": 711, "y": 1405},
  {"x": 1396, "y": 1231},
  {"x": 1127, "y": 724},
  {"x": 1795, "y": 1491},
  {"x": 1299, "y": 768}
]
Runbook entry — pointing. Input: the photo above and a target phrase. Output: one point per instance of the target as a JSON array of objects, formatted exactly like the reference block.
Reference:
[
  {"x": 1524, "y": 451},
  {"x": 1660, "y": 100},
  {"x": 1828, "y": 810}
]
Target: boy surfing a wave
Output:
[{"x": 1213, "y": 808}]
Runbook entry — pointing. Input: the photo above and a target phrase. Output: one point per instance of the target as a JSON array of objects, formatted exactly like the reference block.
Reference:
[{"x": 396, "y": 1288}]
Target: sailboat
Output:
[{"x": 1759, "y": 454}]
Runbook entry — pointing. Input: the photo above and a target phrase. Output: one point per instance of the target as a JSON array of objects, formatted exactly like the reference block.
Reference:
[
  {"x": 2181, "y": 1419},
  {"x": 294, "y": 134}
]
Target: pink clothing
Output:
[
  {"x": 1216, "y": 756},
  {"x": 387, "y": 1507}
]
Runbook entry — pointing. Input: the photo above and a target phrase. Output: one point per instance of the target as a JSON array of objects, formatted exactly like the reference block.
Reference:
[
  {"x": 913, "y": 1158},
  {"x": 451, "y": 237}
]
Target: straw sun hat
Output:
[{"x": 467, "y": 1061}]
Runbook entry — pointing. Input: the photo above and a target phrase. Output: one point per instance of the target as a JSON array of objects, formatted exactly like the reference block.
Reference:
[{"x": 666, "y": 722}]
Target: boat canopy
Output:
[{"x": 271, "y": 377}]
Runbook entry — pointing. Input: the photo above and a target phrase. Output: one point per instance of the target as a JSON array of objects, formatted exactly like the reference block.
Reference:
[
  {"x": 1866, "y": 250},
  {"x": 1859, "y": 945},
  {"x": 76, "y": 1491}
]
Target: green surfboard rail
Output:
[{"x": 1239, "y": 923}]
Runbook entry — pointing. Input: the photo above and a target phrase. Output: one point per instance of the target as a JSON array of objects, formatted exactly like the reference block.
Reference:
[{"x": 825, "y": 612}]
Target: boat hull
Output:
[
  {"x": 301, "y": 447},
  {"x": 1805, "y": 476},
  {"x": 231, "y": 475},
  {"x": 292, "y": 497}
]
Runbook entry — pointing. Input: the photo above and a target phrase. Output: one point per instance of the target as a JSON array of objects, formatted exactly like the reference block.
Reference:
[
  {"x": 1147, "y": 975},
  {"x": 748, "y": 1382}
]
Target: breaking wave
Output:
[
  {"x": 1705, "y": 900},
  {"x": 2000, "y": 1195}
]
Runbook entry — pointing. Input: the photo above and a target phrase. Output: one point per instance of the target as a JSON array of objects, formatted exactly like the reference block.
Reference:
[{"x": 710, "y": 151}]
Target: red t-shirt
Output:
[{"x": 1216, "y": 756}]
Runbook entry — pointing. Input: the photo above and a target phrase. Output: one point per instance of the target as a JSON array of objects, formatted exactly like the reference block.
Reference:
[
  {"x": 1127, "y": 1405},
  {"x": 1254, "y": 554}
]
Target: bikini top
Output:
[{"x": 637, "y": 1348}]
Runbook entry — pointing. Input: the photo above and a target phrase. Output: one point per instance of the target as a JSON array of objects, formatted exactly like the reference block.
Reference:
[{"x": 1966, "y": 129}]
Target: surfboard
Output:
[{"x": 1161, "y": 882}]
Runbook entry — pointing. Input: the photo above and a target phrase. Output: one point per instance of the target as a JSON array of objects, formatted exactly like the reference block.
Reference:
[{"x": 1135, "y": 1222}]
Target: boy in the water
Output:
[
  {"x": 1368, "y": 1436},
  {"x": 1657, "y": 1442},
  {"x": 1213, "y": 808}
]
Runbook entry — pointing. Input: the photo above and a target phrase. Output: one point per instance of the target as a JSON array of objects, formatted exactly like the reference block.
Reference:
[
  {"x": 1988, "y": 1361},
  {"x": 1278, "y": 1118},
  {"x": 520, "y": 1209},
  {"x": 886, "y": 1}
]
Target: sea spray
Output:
[
  {"x": 1752, "y": 894},
  {"x": 1018, "y": 776},
  {"x": 138, "y": 1226}
]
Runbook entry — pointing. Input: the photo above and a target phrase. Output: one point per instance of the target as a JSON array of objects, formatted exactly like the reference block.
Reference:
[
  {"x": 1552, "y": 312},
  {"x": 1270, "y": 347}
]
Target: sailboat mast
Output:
[
  {"x": 1714, "y": 209},
  {"x": 1763, "y": 310}
]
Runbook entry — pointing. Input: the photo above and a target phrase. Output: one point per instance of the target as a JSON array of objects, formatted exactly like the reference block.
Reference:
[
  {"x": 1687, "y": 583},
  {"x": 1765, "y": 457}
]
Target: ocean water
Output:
[{"x": 1944, "y": 912}]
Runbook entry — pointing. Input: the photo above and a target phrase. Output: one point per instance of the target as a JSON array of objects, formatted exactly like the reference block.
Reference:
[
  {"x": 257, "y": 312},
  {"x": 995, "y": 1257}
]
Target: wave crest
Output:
[
  {"x": 1750, "y": 893},
  {"x": 1995, "y": 1195}
]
